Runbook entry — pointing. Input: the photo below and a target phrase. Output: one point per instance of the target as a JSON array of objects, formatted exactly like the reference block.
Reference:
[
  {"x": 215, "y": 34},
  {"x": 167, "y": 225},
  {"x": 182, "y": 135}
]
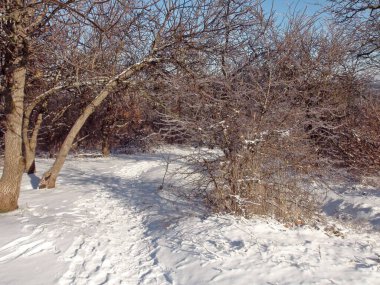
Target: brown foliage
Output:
[{"x": 355, "y": 145}]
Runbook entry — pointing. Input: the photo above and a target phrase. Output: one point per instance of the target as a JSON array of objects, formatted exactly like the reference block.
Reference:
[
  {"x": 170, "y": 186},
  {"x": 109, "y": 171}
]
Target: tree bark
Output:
[
  {"x": 106, "y": 147},
  {"x": 49, "y": 178},
  {"x": 106, "y": 132},
  {"x": 15, "y": 74},
  {"x": 106, "y": 137},
  {"x": 30, "y": 145},
  {"x": 10, "y": 181}
]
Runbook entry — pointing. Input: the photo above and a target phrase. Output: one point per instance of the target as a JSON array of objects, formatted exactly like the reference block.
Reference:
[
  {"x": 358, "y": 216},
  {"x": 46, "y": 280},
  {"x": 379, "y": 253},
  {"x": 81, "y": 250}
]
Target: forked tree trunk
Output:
[
  {"x": 30, "y": 145},
  {"x": 49, "y": 178},
  {"x": 15, "y": 63}
]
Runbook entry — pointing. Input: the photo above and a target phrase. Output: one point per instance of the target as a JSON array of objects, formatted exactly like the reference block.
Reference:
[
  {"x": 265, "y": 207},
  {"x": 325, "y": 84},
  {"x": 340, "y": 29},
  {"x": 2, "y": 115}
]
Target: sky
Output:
[{"x": 282, "y": 6}]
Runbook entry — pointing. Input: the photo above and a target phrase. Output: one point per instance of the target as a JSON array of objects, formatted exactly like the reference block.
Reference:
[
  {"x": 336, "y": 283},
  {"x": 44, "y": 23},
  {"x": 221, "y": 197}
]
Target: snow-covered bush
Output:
[
  {"x": 352, "y": 141},
  {"x": 267, "y": 176}
]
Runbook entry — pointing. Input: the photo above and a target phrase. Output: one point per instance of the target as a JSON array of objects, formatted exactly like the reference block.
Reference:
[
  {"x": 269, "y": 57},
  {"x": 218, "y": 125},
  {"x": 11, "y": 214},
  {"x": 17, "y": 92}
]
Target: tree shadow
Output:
[
  {"x": 160, "y": 208},
  {"x": 34, "y": 180},
  {"x": 346, "y": 210}
]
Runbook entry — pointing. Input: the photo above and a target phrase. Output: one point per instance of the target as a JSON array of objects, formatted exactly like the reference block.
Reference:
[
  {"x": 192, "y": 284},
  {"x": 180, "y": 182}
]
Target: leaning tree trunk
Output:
[
  {"x": 49, "y": 178},
  {"x": 15, "y": 73},
  {"x": 30, "y": 144}
]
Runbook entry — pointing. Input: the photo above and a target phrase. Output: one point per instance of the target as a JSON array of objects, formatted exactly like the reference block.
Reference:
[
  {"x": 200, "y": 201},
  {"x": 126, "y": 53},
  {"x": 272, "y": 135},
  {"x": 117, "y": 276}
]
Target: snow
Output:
[{"x": 110, "y": 222}]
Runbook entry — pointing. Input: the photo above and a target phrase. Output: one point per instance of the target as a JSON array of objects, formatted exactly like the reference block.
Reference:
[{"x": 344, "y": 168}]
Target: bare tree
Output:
[
  {"x": 157, "y": 32},
  {"x": 268, "y": 112},
  {"x": 14, "y": 56},
  {"x": 361, "y": 20},
  {"x": 220, "y": 73},
  {"x": 21, "y": 23}
]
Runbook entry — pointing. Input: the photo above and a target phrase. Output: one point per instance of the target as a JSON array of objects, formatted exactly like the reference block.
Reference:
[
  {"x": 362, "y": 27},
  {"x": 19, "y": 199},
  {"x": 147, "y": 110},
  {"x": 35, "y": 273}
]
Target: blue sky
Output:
[{"x": 282, "y": 6}]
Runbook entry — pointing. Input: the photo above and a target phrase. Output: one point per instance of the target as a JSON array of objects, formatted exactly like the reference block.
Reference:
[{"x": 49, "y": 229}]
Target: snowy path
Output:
[
  {"x": 109, "y": 223},
  {"x": 112, "y": 248},
  {"x": 108, "y": 241}
]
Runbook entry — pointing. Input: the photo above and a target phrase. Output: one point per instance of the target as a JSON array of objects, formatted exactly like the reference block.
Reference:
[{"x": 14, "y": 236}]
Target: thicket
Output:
[{"x": 280, "y": 99}]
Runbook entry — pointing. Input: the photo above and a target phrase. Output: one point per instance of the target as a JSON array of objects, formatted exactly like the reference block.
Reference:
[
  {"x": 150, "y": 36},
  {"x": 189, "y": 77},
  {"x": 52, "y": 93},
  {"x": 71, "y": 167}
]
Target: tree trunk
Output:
[
  {"x": 30, "y": 145},
  {"x": 106, "y": 147},
  {"x": 106, "y": 135},
  {"x": 10, "y": 181},
  {"x": 15, "y": 73},
  {"x": 49, "y": 178}
]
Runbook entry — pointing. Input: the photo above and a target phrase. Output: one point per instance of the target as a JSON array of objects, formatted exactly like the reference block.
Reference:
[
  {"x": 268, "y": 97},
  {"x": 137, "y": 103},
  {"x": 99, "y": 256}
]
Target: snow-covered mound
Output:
[{"x": 110, "y": 222}]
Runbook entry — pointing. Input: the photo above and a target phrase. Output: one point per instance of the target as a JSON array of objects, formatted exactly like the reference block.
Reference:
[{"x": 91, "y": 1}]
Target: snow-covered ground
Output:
[{"x": 109, "y": 222}]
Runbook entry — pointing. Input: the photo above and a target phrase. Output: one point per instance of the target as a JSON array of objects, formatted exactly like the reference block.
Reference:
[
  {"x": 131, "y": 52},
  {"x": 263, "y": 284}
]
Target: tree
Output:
[
  {"x": 14, "y": 55},
  {"x": 21, "y": 23},
  {"x": 157, "y": 33},
  {"x": 361, "y": 20},
  {"x": 269, "y": 111}
]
